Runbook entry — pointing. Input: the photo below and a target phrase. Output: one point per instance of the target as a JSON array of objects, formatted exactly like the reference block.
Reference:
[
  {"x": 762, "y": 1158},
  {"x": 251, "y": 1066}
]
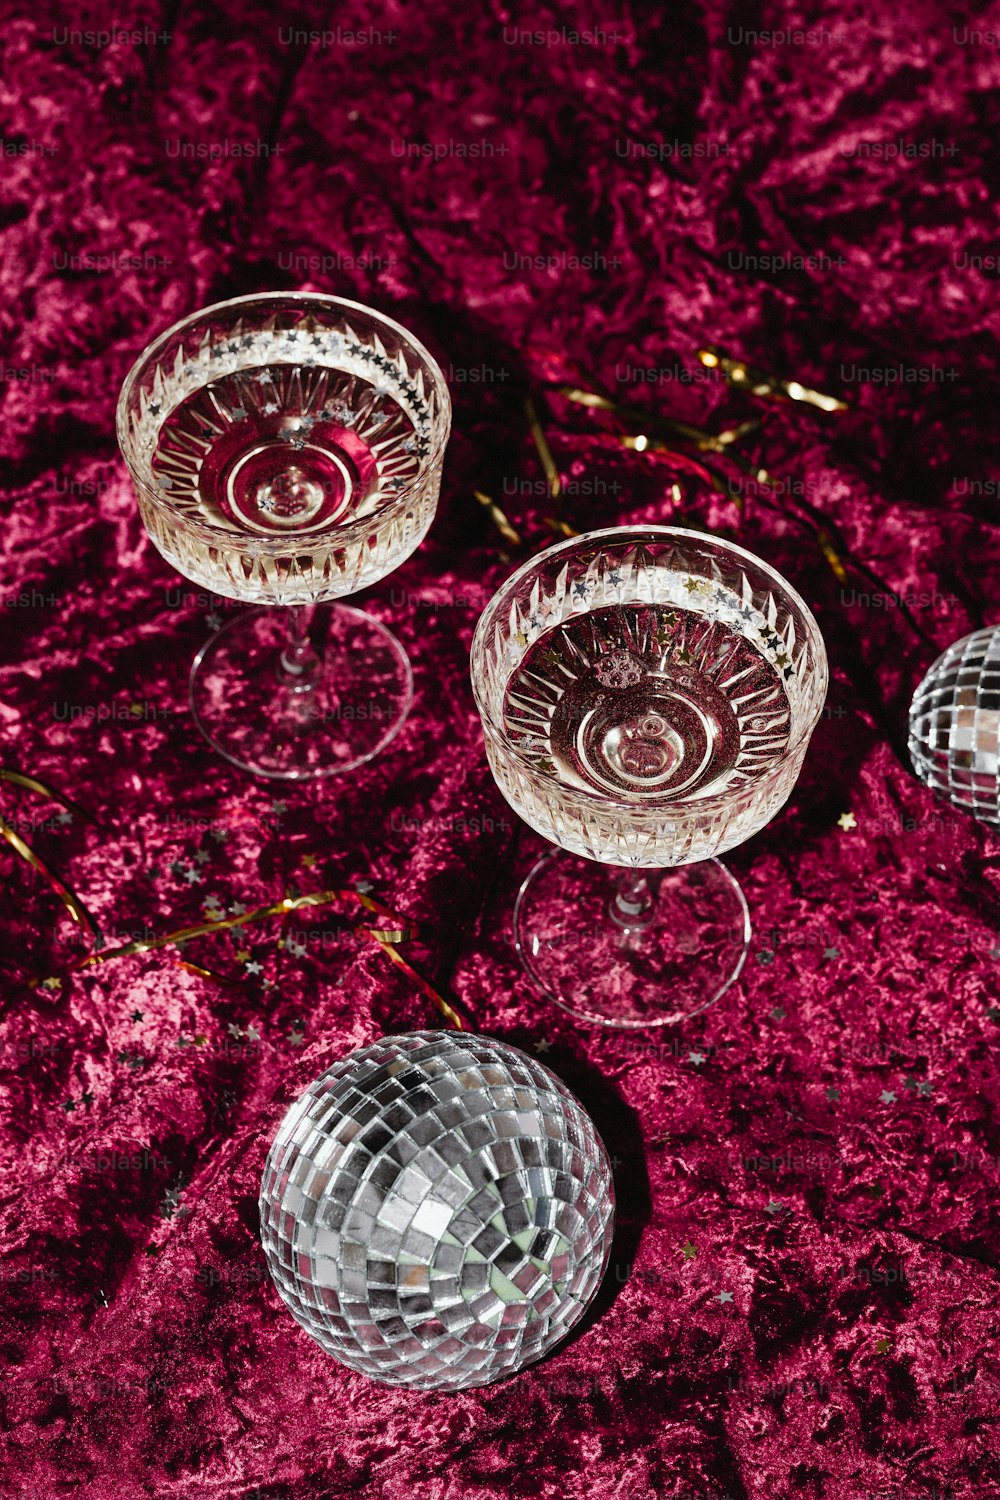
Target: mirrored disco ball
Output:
[
  {"x": 955, "y": 725},
  {"x": 437, "y": 1210}
]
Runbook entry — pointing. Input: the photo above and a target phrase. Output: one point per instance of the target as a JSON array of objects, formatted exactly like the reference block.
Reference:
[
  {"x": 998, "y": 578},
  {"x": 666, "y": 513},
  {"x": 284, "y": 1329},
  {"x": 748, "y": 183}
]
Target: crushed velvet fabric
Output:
[{"x": 802, "y": 1295}]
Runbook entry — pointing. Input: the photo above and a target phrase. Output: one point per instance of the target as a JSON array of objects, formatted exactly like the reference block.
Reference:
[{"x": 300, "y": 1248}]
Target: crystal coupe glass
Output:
[
  {"x": 286, "y": 449},
  {"x": 647, "y": 695}
]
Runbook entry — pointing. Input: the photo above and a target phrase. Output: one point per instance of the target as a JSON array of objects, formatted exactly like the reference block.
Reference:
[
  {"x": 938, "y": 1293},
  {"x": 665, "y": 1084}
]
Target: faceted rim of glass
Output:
[
  {"x": 266, "y": 545},
  {"x": 633, "y": 535}
]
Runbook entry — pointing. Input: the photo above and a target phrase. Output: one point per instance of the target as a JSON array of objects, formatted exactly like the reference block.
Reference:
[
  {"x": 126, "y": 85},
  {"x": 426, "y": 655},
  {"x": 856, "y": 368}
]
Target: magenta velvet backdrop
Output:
[{"x": 802, "y": 1296}]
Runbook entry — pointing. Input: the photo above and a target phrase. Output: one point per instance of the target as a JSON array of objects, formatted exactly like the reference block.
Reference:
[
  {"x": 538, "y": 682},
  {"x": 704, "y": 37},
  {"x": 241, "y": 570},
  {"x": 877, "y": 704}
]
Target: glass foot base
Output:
[
  {"x": 349, "y": 710},
  {"x": 683, "y": 951}
]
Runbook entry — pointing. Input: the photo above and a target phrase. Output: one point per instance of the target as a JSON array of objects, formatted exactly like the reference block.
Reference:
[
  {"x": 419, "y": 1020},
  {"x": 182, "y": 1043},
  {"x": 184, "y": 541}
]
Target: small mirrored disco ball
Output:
[
  {"x": 955, "y": 725},
  {"x": 437, "y": 1210}
]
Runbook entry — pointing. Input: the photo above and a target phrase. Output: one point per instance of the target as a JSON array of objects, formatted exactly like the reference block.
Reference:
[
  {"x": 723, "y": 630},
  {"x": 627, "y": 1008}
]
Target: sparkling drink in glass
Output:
[
  {"x": 647, "y": 695},
  {"x": 286, "y": 450}
]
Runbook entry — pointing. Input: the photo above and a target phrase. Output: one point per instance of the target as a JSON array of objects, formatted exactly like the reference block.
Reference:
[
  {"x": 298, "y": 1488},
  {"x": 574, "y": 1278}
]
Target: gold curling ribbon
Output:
[
  {"x": 556, "y": 523},
  {"x": 737, "y": 373},
  {"x": 708, "y": 442},
  {"x": 65, "y": 893},
  {"x": 427, "y": 990},
  {"x": 704, "y": 442},
  {"x": 550, "y": 469},
  {"x": 720, "y": 443},
  {"x": 761, "y": 383},
  {"x": 203, "y": 973},
  {"x": 806, "y": 518},
  {"x": 637, "y": 443},
  {"x": 831, "y": 554},
  {"x": 386, "y": 935},
  {"x": 541, "y": 442},
  {"x": 498, "y": 518}
]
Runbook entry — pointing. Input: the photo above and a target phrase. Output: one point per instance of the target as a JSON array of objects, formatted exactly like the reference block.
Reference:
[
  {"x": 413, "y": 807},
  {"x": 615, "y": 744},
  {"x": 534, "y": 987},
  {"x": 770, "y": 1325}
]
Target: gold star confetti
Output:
[
  {"x": 200, "y": 1039},
  {"x": 243, "y": 955},
  {"x": 689, "y": 1251},
  {"x": 308, "y": 861},
  {"x": 883, "y": 1345},
  {"x": 52, "y": 983},
  {"x": 847, "y": 821}
]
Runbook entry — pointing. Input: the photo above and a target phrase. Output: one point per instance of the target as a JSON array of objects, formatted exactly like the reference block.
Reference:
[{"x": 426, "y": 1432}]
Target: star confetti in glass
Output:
[{"x": 437, "y": 1210}]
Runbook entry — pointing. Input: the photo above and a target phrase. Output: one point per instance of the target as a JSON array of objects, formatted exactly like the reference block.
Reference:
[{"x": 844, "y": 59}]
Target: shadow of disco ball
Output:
[{"x": 437, "y": 1210}]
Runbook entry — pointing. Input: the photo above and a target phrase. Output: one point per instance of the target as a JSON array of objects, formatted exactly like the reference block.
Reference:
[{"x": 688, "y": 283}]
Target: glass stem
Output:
[
  {"x": 298, "y": 664},
  {"x": 632, "y": 904}
]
